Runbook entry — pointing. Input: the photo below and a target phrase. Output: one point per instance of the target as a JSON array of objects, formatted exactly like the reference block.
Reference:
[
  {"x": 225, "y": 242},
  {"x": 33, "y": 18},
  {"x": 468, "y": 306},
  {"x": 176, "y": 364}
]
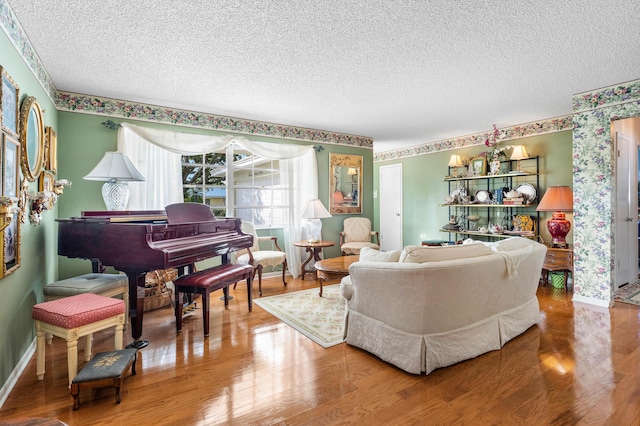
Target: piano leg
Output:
[{"x": 136, "y": 310}]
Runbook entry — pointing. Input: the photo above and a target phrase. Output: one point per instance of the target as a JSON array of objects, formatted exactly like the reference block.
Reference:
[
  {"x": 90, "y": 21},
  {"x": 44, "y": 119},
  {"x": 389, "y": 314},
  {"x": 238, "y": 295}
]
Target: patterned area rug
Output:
[
  {"x": 630, "y": 293},
  {"x": 321, "y": 319}
]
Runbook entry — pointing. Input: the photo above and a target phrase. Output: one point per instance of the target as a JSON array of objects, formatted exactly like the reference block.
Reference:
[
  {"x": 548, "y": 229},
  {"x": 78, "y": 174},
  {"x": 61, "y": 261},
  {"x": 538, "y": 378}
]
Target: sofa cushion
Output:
[
  {"x": 368, "y": 254},
  {"x": 421, "y": 254}
]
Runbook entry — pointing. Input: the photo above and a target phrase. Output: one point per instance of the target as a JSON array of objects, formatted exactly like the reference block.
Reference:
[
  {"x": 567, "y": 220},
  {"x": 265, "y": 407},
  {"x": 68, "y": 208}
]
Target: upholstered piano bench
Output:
[
  {"x": 107, "y": 285},
  {"x": 71, "y": 318},
  {"x": 105, "y": 369},
  {"x": 208, "y": 280}
]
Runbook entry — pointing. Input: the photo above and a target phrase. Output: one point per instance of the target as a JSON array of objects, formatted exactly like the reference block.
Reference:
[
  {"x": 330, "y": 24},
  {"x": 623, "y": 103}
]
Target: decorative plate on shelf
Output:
[
  {"x": 483, "y": 197},
  {"x": 528, "y": 192}
]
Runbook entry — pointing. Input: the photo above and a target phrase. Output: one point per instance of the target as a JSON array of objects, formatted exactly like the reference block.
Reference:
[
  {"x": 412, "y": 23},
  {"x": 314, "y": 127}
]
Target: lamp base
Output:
[
  {"x": 558, "y": 227},
  {"x": 314, "y": 230},
  {"x": 115, "y": 195}
]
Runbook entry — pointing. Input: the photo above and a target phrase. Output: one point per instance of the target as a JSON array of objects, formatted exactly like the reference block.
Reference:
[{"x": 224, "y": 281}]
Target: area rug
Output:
[
  {"x": 321, "y": 319},
  {"x": 630, "y": 293}
]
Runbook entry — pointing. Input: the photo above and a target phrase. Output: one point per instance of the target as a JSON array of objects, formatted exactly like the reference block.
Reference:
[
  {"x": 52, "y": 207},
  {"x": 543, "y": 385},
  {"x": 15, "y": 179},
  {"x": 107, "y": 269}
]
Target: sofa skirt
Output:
[{"x": 416, "y": 354}]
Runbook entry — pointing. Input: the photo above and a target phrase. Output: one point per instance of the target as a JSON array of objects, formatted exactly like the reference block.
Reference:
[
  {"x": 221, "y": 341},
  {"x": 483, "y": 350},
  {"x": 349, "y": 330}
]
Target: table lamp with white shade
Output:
[
  {"x": 115, "y": 169},
  {"x": 519, "y": 153},
  {"x": 314, "y": 211}
]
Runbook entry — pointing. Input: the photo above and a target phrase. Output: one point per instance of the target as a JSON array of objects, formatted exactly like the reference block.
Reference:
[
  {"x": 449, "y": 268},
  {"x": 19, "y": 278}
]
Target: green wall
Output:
[
  {"x": 23, "y": 288},
  {"x": 82, "y": 141},
  {"x": 424, "y": 188}
]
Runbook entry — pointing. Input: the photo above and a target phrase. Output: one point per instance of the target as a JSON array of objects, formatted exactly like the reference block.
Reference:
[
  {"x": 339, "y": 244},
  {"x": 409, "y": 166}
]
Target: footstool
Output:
[
  {"x": 71, "y": 318},
  {"x": 105, "y": 369}
]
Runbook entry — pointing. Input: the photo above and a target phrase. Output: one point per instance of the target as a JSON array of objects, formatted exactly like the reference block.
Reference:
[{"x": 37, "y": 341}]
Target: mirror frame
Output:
[
  {"x": 31, "y": 139},
  {"x": 337, "y": 164}
]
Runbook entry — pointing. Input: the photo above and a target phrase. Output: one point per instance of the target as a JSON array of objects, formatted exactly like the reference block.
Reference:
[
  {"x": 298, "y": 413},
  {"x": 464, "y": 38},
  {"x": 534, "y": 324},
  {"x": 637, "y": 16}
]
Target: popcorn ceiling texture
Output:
[{"x": 404, "y": 73}]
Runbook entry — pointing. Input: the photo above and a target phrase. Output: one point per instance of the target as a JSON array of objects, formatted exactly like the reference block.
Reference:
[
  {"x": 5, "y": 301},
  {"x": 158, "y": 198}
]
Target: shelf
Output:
[
  {"x": 487, "y": 234},
  {"x": 502, "y": 175},
  {"x": 479, "y": 205}
]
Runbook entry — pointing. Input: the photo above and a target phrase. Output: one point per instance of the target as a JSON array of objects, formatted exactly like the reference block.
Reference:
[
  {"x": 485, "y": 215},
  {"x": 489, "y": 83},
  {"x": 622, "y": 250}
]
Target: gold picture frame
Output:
[
  {"x": 9, "y": 108},
  {"x": 45, "y": 184},
  {"x": 478, "y": 166},
  {"x": 31, "y": 139},
  {"x": 51, "y": 150},
  {"x": 345, "y": 183}
]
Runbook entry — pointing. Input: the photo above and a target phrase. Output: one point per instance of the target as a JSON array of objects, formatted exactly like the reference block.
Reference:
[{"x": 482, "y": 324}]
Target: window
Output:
[{"x": 257, "y": 194}]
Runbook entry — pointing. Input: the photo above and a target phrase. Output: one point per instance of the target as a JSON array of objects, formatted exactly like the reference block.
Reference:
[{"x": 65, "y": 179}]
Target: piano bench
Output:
[
  {"x": 107, "y": 285},
  {"x": 105, "y": 369},
  {"x": 208, "y": 280}
]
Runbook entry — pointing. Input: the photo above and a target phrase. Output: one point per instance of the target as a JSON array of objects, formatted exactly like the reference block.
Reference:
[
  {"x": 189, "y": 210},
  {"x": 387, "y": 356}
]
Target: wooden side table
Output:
[
  {"x": 314, "y": 250},
  {"x": 558, "y": 259}
]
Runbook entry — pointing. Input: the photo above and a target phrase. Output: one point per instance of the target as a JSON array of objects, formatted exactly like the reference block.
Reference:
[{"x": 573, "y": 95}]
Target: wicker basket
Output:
[{"x": 156, "y": 292}]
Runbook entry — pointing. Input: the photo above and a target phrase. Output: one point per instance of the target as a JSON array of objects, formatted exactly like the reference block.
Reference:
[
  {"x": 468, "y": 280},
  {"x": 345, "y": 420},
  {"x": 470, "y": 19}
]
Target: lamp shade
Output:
[
  {"x": 115, "y": 166},
  {"x": 557, "y": 199},
  {"x": 315, "y": 210},
  {"x": 455, "y": 161},
  {"x": 519, "y": 153},
  {"x": 352, "y": 171}
]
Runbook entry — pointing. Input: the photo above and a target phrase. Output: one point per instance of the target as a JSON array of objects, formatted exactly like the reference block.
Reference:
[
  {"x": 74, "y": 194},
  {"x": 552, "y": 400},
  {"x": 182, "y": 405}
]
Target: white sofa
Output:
[{"x": 437, "y": 306}]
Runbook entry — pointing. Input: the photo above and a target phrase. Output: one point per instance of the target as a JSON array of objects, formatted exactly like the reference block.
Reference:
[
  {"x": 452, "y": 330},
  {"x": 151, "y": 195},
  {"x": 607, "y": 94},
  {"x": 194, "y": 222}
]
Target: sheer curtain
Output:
[{"x": 157, "y": 155}]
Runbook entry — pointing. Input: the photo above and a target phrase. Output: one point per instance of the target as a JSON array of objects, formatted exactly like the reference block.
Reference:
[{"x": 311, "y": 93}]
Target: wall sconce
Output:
[{"x": 519, "y": 153}]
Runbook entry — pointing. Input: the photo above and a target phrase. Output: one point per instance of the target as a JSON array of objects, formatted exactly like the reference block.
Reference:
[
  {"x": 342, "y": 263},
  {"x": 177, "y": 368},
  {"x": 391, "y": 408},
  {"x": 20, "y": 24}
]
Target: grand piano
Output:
[{"x": 136, "y": 242}]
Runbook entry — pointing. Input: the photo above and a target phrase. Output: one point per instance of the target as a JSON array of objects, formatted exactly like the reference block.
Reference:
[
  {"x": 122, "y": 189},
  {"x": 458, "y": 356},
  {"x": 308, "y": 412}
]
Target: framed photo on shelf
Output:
[
  {"x": 479, "y": 166},
  {"x": 11, "y": 168},
  {"x": 51, "y": 150},
  {"x": 10, "y": 94}
]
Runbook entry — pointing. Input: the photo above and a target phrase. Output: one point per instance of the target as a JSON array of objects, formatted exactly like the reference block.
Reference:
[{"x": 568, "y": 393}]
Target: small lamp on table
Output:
[
  {"x": 557, "y": 199},
  {"x": 314, "y": 211}
]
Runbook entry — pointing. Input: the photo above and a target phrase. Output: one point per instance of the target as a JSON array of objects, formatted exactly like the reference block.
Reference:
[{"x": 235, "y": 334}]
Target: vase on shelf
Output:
[{"x": 494, "y": 166}]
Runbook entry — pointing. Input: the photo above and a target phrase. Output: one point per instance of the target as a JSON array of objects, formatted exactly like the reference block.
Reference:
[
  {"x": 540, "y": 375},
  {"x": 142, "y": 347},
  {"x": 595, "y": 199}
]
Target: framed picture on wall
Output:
[
  {"x": 11, "y": 168},
  {"x": 479, "y": 166},
  {"x": 51, "y": 150},
  {"x": 11, "y": 241},
  {"x": 10, "y": 95}
]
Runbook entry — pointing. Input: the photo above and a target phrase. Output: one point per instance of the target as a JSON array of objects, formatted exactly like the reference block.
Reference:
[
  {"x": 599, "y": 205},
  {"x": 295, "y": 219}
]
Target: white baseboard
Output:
[
  {"x": 17, "y": 372},
  {"x": 592, "y": 301}
]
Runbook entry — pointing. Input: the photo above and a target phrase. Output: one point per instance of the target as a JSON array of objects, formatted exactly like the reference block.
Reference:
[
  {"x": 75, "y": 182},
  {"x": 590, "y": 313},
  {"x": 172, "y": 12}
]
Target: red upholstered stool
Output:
[
  {"x": 208, "y": 280},
  {"x": 74, "y": 317}
]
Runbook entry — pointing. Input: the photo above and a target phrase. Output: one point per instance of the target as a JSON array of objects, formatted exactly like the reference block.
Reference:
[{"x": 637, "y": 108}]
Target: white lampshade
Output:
[
  {"x": 455, "y": 161},
  {"x": 115, "y": 169},
  {"x": 315, "y": 210},
  {"x": 313, "y": 213},
  {"x": 115, "y": 166},
  {"x": 519, "y": 153}
]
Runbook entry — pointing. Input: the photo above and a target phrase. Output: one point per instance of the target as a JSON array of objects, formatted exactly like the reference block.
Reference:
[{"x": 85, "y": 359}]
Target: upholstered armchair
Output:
[
  {"x": 261, "y": 258},
  {"x": 356, "y": 234}
]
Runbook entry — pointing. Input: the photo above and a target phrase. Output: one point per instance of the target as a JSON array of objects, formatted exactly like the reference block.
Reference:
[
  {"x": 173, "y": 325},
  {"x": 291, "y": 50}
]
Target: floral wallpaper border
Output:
[
  {"x": 124, "y": 109},
  {"x": 66, "y": 101},
  {"x": 551, "y": 125},
  {"x": 594, "y": 187}
]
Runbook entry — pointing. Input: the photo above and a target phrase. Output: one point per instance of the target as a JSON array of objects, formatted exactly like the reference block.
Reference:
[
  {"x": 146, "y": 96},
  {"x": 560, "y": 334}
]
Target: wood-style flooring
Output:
[{"x": 579, "y": 365}]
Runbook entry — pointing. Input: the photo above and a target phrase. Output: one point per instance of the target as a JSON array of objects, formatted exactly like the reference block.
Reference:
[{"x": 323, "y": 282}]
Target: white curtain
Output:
[{"x": 157, "y": 155}]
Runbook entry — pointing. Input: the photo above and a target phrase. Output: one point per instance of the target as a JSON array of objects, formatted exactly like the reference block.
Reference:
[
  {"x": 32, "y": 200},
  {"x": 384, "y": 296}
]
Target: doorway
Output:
[
  {"x": 391, "y": 207},
  {"x": 626, "y": 136}
]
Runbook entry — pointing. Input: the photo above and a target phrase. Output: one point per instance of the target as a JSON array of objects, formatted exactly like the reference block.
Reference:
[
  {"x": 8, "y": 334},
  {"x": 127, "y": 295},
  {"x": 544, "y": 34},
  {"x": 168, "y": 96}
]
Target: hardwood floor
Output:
[{"x": 578, "y": 366}]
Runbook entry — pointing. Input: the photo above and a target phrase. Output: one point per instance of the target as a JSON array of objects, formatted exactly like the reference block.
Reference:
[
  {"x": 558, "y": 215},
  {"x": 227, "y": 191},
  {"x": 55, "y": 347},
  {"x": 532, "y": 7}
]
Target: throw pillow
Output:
[
  {"x": 368, "y": 254},
  {"x": 421, "y": 254}
]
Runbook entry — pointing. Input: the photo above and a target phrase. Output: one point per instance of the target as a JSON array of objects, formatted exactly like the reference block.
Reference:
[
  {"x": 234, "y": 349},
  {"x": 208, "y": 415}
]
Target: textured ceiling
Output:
[{"x": 402, "y": 72}]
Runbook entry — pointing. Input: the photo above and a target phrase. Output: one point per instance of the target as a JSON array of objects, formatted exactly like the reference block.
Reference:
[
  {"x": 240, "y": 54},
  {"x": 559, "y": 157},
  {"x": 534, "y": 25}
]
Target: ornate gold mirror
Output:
[
  {"x": 345, "y": 183},
  {"x": 31, "y": 139}
]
